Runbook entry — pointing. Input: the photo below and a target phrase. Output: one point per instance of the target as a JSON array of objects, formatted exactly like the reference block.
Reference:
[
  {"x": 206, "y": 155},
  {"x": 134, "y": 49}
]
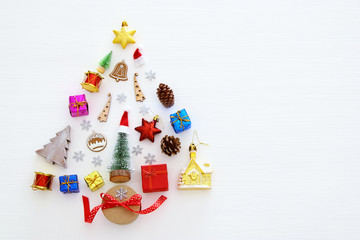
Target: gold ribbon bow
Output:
[
  {"x": 181, "y": 119},
  {"x": 67, "y": 182},
  {"x": 92, "y": 179},
  {"x": 77, "y": 105}
]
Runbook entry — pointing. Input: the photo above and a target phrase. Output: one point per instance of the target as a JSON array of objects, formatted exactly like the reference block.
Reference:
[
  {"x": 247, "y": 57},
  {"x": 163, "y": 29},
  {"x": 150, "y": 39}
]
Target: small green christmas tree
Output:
[
  {"x": 104, "y": 63},
  {"x": 121, "y": 166},
  {"x": 121, "y": 156}
]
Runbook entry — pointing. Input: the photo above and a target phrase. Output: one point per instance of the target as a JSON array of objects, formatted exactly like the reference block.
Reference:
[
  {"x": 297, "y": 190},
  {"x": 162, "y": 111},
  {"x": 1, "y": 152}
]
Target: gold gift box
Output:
[{"x": 94, "y": 180}]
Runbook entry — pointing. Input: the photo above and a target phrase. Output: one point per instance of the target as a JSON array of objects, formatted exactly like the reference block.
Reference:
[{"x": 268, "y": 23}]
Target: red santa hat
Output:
[
  {"x": 138, "y": 58},
  {"x": 124, "y": 123}
]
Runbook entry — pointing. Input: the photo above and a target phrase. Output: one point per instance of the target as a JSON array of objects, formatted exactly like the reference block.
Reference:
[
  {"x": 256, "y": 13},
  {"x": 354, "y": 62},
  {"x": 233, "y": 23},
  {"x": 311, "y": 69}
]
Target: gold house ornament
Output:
[{"x": 197, "y": 175}]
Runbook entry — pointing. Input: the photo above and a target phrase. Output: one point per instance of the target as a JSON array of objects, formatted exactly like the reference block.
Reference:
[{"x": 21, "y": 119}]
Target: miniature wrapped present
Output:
[
  {"x": 69, "y": 184},
  {"x": 78, "y": 106},
  {"x": 180, "y": 121},
  {"x": 94, "y": 180},
  {"x": 154, "y": 178}
]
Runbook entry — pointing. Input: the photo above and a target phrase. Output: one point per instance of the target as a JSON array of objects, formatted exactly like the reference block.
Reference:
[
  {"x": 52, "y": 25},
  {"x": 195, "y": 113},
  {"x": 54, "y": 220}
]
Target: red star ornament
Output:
[{"x": 147, "y": 130}]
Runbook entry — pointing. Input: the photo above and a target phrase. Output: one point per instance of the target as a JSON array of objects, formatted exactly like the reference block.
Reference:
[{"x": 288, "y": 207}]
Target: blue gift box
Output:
[
  {"x": 69, "y": 184},
  {"x": 180, "y": 121}
]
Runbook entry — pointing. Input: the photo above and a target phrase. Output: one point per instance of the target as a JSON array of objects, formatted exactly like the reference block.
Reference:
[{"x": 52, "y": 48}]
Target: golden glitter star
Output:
[{"x": 124, "y": 36}]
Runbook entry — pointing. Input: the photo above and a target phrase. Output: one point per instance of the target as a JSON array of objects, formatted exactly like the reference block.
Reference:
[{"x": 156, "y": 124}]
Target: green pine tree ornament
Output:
[
  {"x": 104, "y": 63},
  {"x": 120, "y": 166}
]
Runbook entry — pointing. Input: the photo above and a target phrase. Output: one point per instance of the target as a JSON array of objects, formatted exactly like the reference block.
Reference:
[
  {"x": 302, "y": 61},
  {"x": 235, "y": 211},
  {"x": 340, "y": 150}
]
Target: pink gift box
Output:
[{"x": 78, "y": 106}]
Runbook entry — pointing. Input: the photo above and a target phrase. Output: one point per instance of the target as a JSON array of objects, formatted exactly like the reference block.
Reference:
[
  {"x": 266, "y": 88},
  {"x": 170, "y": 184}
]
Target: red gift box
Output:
[{"x": 154, "y": 178}]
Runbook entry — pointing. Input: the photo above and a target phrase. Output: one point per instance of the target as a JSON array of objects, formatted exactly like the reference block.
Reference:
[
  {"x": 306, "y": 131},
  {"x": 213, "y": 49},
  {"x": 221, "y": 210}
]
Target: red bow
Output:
[{"x": 110, "y": 202}]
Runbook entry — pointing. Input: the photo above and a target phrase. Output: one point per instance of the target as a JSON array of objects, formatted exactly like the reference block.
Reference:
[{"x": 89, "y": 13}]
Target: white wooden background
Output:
[{"x": 272, "y": 86}]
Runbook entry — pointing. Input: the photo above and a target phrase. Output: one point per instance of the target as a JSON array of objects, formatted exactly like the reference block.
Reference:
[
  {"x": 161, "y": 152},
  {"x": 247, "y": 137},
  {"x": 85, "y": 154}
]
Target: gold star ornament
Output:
[{"x": 124, "y": 36}]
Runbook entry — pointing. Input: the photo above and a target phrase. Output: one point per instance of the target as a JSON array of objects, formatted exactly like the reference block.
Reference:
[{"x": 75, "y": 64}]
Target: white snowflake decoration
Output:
[
  {"x": 97, "y": 161},
  {"x": 121, "y": 98},
  {"x": 150, "y": 75},
  {"x": 85, "y": 125},
  {"x": 144, "y": 109},
  {"x": 150, "y": 158},
  {"x": 137, "y": 150},
  {"x": 79, "y": 156},
  {"x": 121, "y": 193}
]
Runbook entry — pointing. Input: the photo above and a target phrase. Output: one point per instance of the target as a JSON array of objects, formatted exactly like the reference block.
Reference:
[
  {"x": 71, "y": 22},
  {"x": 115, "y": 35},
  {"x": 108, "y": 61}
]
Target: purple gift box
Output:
[{"x": 78, "y": 106}]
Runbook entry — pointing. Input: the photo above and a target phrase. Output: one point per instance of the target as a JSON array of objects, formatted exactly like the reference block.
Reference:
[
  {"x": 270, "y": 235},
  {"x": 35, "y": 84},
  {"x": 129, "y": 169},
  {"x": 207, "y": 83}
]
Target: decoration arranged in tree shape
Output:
[
  {"x": 92, "y": 81},
  {"x": 138, "y": 93},
  {"x": 148, "y": 129},
  {"x": 180, "y": 121},
  {"x": 56, "y": 150},
  {"x": 78, "y": 106},
  {"x": 69, "y": 184},
  {"x": 144, "y": 110},
  {"x": 121, "y": 193},
  {"x": 138, "y": 58},
  {"x": 170, "y": 145},
  {"x": 137, "y": 150},
  {"x": 165, "y": 95},
  {"x": 120, "y": 72},
  {"x": 42, "y": 181},
  {"x": 124, "y": 36},
  {"x": 79, "y": 156},
  {"x": 85, "y": 125},
  {"x": 154, "y": 178},
  {"x": 123, "y": 211},
  {"x": 94, "y": 181},
  {"x": 197, "y": 175},
  {"x": 96, "y": 142},
  {"x": 104, "y": 63},
  {"x": 120, "y": 166},
  {"x": 105, "y": 112},
  {"x": 97, "y": 161},
  {"x": 150, "y": 158},
  {"x": 150, "y": 75},
  {"x": 121, "y": 98}
]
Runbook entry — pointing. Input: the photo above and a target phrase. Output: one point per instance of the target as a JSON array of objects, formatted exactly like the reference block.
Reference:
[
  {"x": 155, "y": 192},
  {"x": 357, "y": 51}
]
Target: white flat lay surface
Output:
[{"x": 272, "y": 86}]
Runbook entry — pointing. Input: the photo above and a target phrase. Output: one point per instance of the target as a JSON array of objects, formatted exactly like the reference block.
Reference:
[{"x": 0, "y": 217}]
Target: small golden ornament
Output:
[
  {"x": 197, "y": 175},
  {"x": 96, "y": 142},
  {"x": 94, "y": 181},
  {"x": 124, "y": 36}
]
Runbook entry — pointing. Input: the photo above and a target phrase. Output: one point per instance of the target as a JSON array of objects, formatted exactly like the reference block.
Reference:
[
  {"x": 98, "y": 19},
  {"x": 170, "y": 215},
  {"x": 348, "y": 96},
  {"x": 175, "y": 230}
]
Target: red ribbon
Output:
[{"x": 110, "y": 202}]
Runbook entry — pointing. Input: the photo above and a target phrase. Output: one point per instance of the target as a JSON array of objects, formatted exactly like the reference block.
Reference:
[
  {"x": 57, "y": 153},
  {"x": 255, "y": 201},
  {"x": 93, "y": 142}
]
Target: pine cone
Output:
[
  {"x": 170, "y": 145},
  {"x": 166, "y": 95}
]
